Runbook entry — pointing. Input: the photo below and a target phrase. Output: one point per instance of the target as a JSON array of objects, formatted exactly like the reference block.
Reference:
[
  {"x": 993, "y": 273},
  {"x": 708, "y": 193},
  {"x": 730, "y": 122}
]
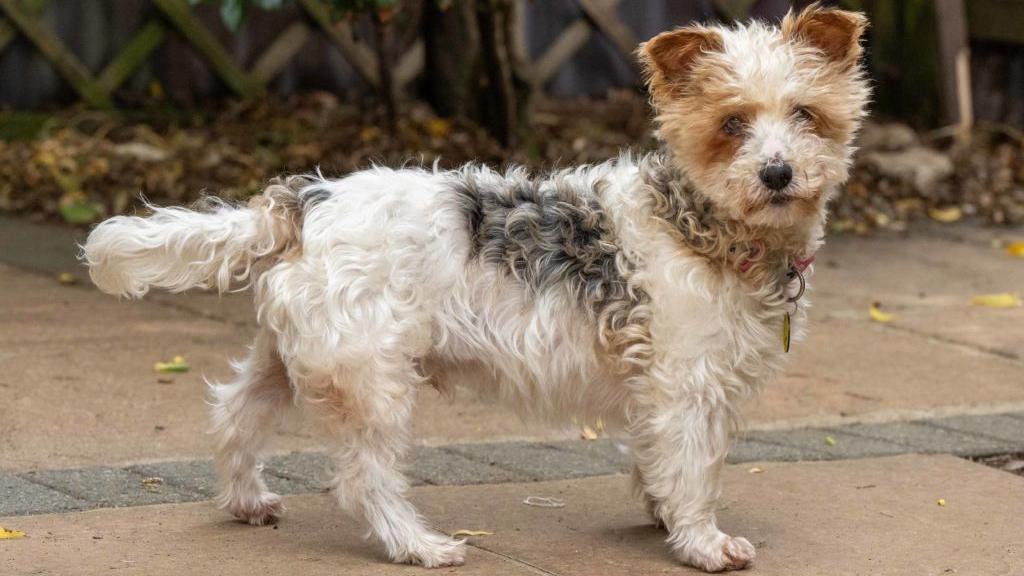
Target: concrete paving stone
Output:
[
  {"x": 19, "y": 496},
  {"x": 298, "y": 472},
  {"x": 535, "y": 461},
  {"x": 195, "y": 476},
  {"x": 996, "y": 426},
  {"x": 110, "y": 487},
  {"x": 613, "y": 451},
  {"x": 813, "y": 443},
  {"x": 926, "y": 439},
  {"x": 753, "y": 450},
  {"x": 444, "y": 466},
  {"x": 314, "y": 538}
]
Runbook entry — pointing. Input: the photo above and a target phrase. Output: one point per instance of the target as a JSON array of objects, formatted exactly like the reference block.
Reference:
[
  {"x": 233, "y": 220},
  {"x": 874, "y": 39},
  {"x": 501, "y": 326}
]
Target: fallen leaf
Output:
[
  {"x": 438, "y": 127},
  {"x": 876, "y": 314},
  {"x": 941, "y": 501},
  {"x": 6, "y": 534},
  {"x": 946, "y": 215},
  {"x": 599, "y": 425},
  {"x": 1004, "y": 300},
  {"x": 369, "y": 133},
  {"x": 67, "y": 278},
  {"x": 587, "y": 433},
  {"x": 755, "y": 470},
  {"x": 1015, "y": 249},
  {"x": 176, "y": 365},
  {"x": 467, "y": 533},
  {"x": 830, "y": 441},
  {"x": 153, "y": 483}
]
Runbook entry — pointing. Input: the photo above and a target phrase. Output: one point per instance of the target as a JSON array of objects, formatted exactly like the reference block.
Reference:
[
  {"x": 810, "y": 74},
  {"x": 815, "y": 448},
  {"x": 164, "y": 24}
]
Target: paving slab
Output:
[
  {"x": 874, "y": 516},
  {"x": 78, "y": 387}
]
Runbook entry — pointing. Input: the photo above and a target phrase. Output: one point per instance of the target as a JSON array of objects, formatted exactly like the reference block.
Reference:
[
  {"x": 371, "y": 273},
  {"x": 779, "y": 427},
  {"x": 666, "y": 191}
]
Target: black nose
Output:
[{"x": 777, "y": 175}]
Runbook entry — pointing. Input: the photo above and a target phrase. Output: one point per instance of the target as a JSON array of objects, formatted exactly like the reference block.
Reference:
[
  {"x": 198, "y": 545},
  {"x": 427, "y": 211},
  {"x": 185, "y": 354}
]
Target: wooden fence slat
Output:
[
  {"x": 8, "y": 32},
  {"x": 340, "y": 33},
  {"x": 70, "y": 67},
  {"x": 574, "y": 37},
  {"x": 411, "y": 64},
  {"x": 132, "y": 55},
  {"x": 280, "y": 52},
  {"x": 603, "y": 17},
  {"x": 178, "y": 12}
]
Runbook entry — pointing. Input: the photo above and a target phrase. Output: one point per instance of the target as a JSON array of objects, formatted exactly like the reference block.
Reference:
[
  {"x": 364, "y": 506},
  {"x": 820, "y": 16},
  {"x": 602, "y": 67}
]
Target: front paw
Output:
[
  {"x": 261, "y": 510},
  {"x": 718, "y": 553}
]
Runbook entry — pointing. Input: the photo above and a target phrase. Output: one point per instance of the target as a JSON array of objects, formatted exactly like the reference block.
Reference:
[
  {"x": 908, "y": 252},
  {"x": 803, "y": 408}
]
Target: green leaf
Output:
[{"x": 232, "y": 12}]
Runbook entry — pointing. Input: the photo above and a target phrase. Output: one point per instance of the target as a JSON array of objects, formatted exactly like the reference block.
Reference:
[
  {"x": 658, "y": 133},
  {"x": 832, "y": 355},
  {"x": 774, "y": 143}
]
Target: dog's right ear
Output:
[{"x": 669, "y": 57}]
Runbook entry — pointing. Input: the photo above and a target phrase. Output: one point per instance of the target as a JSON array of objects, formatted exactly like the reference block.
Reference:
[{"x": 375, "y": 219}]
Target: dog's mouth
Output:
[{"x": 780, "y": 199}]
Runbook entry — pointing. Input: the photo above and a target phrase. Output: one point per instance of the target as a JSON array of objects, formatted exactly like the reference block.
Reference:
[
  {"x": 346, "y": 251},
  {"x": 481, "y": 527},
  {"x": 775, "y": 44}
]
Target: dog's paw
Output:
[
  {"x": 718, "y": 554},
  {"x": 435, "y": 551},
  {"x": 260, "y": 511}
]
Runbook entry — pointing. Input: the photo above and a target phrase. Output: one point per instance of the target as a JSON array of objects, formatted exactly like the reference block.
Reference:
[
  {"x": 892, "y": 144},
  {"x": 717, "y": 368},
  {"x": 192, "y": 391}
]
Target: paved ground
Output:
[{"x": 85, "y": 420}]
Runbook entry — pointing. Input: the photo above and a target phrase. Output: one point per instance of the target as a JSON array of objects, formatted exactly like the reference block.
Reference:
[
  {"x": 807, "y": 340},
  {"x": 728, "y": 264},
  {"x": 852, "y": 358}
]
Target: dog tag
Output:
[{"x": 785, "y": 332}]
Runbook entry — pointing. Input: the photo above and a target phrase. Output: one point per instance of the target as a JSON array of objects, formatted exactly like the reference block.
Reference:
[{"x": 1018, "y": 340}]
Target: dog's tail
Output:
[{"x": 216, "y": 246}]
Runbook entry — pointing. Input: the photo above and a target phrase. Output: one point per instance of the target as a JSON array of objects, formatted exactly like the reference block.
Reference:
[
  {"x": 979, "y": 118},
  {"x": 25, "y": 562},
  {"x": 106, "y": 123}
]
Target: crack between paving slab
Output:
[
  {"x": 967, "y": 433},
  {"x": 958, "y": 343},
  {"x": 531, "y": 567},
  {"x": 31, "y": 480}
]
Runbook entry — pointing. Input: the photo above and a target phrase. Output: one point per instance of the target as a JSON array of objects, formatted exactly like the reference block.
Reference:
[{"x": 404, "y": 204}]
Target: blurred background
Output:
[{"x": 104, "y": 100}]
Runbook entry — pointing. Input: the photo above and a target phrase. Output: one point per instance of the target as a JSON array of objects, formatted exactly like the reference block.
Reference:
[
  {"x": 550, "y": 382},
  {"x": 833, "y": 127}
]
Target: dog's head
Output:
[{"x": 761, "y": 118}]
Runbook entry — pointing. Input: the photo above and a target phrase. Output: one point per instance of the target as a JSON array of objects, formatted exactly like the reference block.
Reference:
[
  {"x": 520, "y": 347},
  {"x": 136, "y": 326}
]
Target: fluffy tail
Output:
[{"x": 178, "y": 249}]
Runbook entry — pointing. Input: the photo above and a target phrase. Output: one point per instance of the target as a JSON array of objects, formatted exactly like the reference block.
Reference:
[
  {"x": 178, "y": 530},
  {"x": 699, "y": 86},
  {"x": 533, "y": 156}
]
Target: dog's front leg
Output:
[{"x": 679, "y": 447}]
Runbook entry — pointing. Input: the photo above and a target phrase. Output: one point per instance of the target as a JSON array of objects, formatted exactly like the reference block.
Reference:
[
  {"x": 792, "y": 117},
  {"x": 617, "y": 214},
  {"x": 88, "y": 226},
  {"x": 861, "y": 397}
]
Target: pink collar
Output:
[{"x": 801, "y": 264}]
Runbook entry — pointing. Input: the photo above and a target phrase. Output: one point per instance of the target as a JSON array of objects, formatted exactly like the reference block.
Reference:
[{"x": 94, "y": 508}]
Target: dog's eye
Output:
[
  {"x": 803, "y": 114},
  {"x": 734, "y": 125}
]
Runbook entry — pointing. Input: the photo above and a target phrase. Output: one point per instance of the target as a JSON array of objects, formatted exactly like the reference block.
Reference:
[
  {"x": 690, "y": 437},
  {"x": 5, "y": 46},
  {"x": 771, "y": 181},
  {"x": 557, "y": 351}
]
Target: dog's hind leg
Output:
[
  {"x": 366, "y": 411},
  {"x": 245, "y": 413}
]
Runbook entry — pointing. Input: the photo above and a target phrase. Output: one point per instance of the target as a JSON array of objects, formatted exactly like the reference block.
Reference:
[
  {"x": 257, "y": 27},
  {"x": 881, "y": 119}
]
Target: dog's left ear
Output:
[{"x": 836, "y": 33}]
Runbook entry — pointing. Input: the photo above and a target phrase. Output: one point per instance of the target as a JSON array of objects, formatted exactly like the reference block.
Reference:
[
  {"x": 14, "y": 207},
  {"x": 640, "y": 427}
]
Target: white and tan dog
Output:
[{"x": 656, "y": 292}]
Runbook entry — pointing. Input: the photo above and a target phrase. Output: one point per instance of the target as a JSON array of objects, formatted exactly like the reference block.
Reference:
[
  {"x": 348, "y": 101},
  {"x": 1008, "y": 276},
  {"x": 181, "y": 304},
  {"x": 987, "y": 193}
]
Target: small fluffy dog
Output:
[{"x": 658, "y": 292}]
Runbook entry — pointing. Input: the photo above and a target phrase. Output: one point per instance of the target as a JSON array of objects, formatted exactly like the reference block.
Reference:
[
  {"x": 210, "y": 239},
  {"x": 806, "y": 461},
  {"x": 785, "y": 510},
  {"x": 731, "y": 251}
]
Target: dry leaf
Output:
[
  {"x": 1015, "y": 249},
  {"x": 587, "y": 433},
  {"x": 941, "y": 501},
  {"x": 946, "y": 215},
  {"x": 438, "y": 127},
  {"x": 755, "y": 470},
  {"x": 876, "y": 314},
  {"x": 830, "y": 441},
  {"x": 6, "y": 534},
  {"x": 1004, "y": 300},
  {"x": 67, "y": 278},
  {"x": 467, "y": 533}
]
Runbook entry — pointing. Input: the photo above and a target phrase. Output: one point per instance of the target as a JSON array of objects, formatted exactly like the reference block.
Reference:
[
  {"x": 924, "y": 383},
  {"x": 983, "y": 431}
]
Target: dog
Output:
[{"x": 658, "y": 292}]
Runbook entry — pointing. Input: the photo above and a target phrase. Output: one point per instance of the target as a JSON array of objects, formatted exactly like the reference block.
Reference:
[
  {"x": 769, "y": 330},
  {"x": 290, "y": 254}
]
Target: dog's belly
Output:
[{"x": 536, "y": 353}]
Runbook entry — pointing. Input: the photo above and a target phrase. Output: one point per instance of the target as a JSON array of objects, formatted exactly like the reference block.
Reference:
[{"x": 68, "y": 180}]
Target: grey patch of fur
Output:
[{"x": 552, "y": 233}]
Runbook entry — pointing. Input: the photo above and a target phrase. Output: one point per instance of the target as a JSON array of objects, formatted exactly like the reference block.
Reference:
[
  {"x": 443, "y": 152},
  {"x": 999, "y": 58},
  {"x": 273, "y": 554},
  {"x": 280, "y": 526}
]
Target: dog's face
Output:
[{"x": 760, "y": 118}]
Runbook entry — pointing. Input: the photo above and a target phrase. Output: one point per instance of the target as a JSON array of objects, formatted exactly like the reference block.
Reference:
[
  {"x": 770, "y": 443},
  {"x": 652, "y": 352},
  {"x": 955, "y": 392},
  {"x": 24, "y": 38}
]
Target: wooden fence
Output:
[{"x": 569, "y": 46}]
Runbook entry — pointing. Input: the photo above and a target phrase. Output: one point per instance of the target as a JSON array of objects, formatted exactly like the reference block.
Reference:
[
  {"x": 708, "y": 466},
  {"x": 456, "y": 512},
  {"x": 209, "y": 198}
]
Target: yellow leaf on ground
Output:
[
  {"x": 941, "y": 501},
  {"x": 830, "y": 441},
  {"x": 467, "y": 533},
  {"x": 587, "y": 433},
  {"x": 6, "y": 534},
  {"x": 876, "y": 314},
  {"x": 438, "y": 127},
  {"x": 1015, "y": 249},
  {"x": 755, "y": 470},
  {"x": 1005, "y": 300},
  {"x": 177, "y": 365},
  {"x": 946, "y": 215},
  {"x": 66, "y": 278}
]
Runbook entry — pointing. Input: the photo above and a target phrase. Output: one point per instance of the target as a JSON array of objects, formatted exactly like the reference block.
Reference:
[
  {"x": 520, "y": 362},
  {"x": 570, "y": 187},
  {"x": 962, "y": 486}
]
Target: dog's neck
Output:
[{"x": 761, "y": 256}]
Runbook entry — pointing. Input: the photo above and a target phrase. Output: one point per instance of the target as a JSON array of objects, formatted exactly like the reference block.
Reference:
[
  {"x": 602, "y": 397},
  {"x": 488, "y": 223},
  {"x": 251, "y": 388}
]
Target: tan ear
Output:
[
  {"x": 836, "y": 33},
  {"x": 670, "y": 56}
]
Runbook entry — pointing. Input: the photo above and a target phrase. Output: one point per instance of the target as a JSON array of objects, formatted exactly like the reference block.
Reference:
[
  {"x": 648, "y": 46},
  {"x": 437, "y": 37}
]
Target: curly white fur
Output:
[{"x": 572, "y": 294}]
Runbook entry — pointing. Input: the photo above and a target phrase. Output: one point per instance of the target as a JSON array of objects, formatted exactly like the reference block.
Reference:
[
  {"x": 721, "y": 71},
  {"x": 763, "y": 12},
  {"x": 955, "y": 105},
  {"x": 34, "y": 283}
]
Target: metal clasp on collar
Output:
[{"x": 794, "y": 271}]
